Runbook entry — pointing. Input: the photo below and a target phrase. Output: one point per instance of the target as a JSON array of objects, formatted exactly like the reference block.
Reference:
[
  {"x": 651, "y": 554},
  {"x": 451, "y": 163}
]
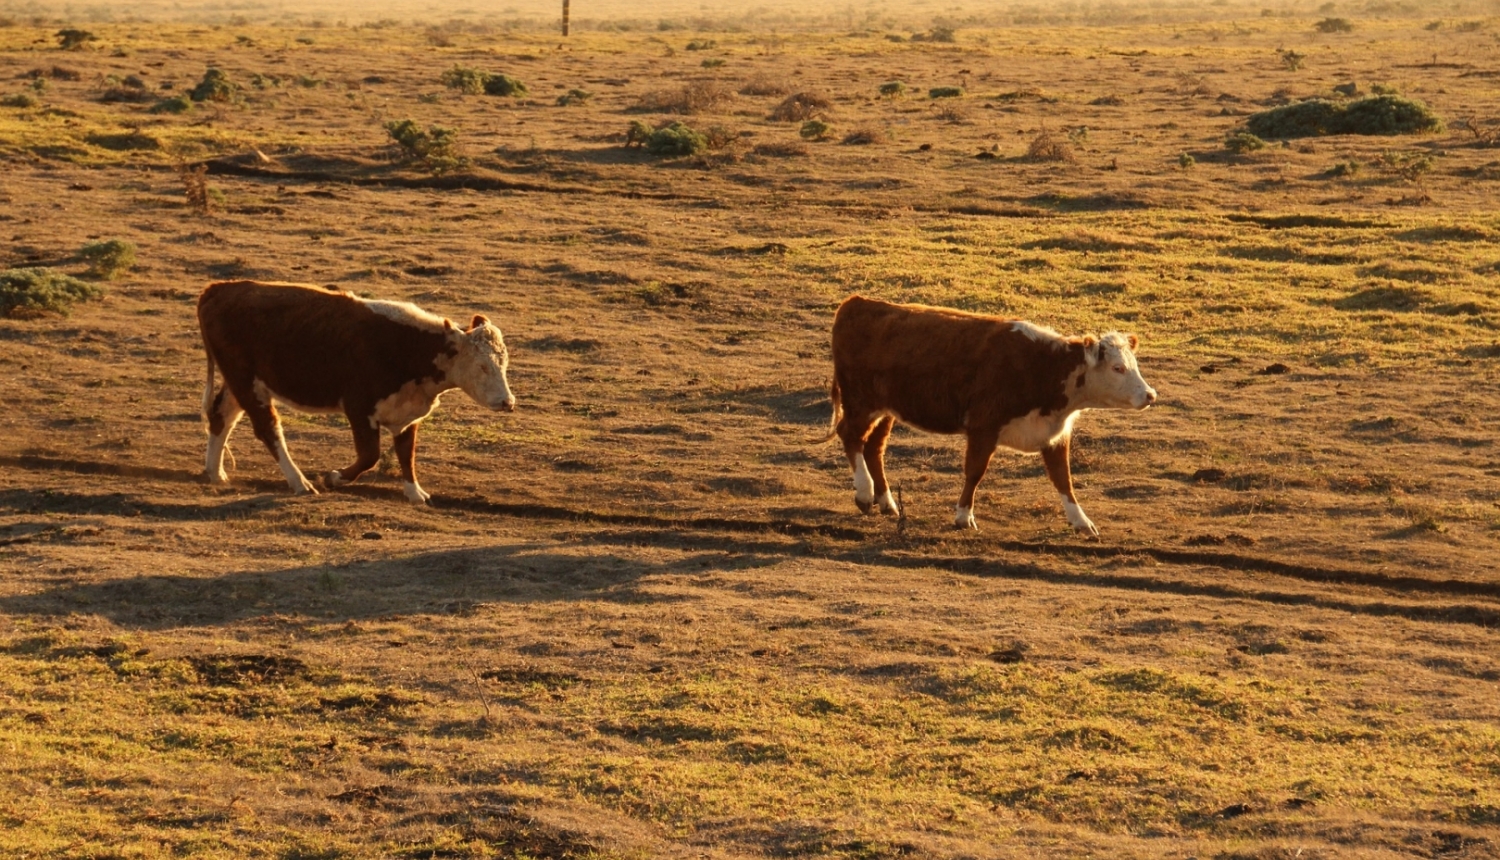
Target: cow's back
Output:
[
  {"x": 939, "y": 368},
  {"x": 311, "y": 346}
]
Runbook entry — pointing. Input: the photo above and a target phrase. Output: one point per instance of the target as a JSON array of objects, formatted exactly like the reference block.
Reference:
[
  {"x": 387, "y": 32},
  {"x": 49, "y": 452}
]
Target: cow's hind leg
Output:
[
  {"x": 854, "y": 428},
  {"x": 268, "y": 430},
  {"x": 1055, "y": 457},
  {"x": 406, "y": 452},
  {"x": 224, "y": 413},
  {"x": 875, "y": 462},
  {"x": 366, "y": 450},
  {"x": 977, "y": 456}
]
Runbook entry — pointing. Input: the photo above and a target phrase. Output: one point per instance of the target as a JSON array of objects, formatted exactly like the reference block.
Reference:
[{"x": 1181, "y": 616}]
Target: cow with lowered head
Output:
[
  {"x": 997, "y": 381},
  {"x": 382, "y": 364}
]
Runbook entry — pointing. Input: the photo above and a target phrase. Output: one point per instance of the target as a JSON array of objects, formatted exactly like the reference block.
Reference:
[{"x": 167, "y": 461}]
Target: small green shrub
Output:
[
  {"x": 702, "y": 45},
  {"x": 1379, "y": 115},
  {"x": 891, "y": 89},
  {"x": 1334, "y": 25},
  {"x": 676, "y": 139},
  {"x": 19, "y": 100},
  {"x": 1186, "y": 161},
  {"x": 32, "y": 293},
  {"x": 1345, "y": 169},
  {"x": 639, "y": 133},
  {"x": 434, "y": 147},
  {"x": 945, "y": 92},
  {"x": 1409, "y": 166},
  {"x": 465, "y": 79},
  {"x": 574, "y": 97},
  {"x": 1292, "y": 60},
  {"x": 175, "y": 104},
  {"x": 1241, "y": 142},
  {"x": 814, "y": 129},
  {"x": 72, "y": 39},
  {"x": 108, "y": 259},
  {"x": 712, "y": 62},
  {"x": 504, "y": 85},
  {"x": 215, "y": 87}
]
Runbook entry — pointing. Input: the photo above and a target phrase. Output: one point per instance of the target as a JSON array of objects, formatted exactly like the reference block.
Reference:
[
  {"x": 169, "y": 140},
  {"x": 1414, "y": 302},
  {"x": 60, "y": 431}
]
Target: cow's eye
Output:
[{"x": 1119, "y": 368}]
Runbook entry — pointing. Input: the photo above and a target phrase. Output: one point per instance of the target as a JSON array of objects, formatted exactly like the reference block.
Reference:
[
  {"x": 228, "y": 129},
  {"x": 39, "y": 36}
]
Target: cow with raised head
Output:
[
  {"x": 382, "y": 364},
  {"x": 997, "y": 381}
]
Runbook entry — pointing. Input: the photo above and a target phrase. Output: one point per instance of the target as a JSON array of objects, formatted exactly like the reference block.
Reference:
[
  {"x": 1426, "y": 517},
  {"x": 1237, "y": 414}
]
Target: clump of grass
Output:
[
  {"x": 941, "y": 34},
  {"x": 696, "y": 97},
  {"x": 1241, "y": 142},
  {"x": 712, "y": 63},
  {"x": 892, "y": 89},
  {"x": 1409, "y": 166},
  {"x": 434, "y": 147},
  {"x": 475, "y": 82},
  {"x": 814, "y": 129},
  {"x": 73, "y": 39},
  {"x": 1334, "y": 25},
  {"x": 638, "y": 134},
  {"x": 1186, "y": 161},
  {"x": 945, "y": 92},
  {"x": 780, "y": 149},
  {"x": 127, "y": 89},
  {"x": 195, "y": 187},
  {"x": 1291, "y": 60},
  {"x": 19, "y": 100},
  {"x": 1110, "y": 100},
  {"x": 1047, "y": 146},
  {"x": 215, "y": 87},
  {"x": 864, "y": 135},
  {"x": 1345, "y": 169},
  {"x": 574, "y": 97},
  {"x": 108, "y": 259},
  {"x": 33, "y": 293},
  {"x": 676, "y": 138},
  {"x": 702, "y": 45},
  {"x": 763, "y": 85},
  {"x": 800, "y": 107},
  {"x": 175, "y": 104},
  {"x": 1377, "y": 115}
]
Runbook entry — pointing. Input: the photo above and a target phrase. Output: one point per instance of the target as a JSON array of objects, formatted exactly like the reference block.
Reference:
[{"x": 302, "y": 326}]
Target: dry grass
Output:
[
  {"x": 693, "y": 98},
  {"x": 803, "y": 106},
  {"x": 642, "y": 617},
  {"x": 1047, "y": 146}
]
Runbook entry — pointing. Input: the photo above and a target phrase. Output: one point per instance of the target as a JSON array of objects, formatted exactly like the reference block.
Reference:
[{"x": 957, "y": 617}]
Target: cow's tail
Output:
[
  {"x": 208, "y": 387},
  {"x": 838, "y": 412}
]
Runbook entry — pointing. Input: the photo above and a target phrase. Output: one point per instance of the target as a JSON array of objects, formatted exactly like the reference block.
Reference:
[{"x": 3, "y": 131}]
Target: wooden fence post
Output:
[{"x": 565, "y": 17}]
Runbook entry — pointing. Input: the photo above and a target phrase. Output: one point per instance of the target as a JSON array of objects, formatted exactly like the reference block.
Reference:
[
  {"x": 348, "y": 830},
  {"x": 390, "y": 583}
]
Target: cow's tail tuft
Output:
[
  {"x": 838, "y": 412},
  {"x": 208, "y": 387}
]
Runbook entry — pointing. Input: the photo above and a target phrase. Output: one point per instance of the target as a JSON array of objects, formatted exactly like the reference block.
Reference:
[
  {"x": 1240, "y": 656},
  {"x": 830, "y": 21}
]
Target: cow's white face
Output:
[
  {"x": 480, "y": 364},
  {"x": 1113, "y": 379}
]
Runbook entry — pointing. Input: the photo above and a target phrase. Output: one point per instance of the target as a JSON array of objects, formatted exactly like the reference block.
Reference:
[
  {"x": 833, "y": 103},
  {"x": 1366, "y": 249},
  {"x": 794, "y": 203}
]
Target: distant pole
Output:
[{"x": 565, "y": 17}]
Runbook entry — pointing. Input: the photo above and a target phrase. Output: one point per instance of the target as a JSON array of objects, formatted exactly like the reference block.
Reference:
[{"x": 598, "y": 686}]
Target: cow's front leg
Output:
[
  {"x": 1055, "y": 456},
  {"x": 366, "y": 450},
  {"x": 406, "y": 452},
  {"x": 268, "y": 430},
  {"x": 223, "y": 415},
  {"x": 977, "y": 456},
  {"x": 875, "y": 463}
]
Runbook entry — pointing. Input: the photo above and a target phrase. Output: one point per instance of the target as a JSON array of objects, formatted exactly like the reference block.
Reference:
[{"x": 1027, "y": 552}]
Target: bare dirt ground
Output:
[{"x": 642, "y": 616}]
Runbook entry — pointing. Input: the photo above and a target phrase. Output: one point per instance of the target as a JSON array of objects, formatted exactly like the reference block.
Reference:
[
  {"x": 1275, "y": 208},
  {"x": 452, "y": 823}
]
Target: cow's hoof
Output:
[
  {"x": 964, "y": 519},
  {"x": 888, "y": 505},
  {"x": 415, "y": 494},
  {"x": 1088, "y": 530},
  {"x": 336, "y": 479},
  {"x": 307, "y": 489},
  {"x": 865, "y": 507},
  {"x": 218, "y": 480}
]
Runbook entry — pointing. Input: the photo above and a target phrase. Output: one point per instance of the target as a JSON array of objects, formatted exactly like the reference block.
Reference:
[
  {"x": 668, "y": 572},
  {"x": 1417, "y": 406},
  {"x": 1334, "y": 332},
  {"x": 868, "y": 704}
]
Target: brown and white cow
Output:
[
  {"x": 997, "y": 381},
  {"x": 382, "y": 364}
]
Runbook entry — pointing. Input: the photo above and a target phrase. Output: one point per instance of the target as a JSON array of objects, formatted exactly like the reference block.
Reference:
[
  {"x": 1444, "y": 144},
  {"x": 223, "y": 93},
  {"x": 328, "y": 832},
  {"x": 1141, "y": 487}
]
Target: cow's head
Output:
[
  {"x": 1113, "y": 379},
  {"x": 478, "y": 363}
]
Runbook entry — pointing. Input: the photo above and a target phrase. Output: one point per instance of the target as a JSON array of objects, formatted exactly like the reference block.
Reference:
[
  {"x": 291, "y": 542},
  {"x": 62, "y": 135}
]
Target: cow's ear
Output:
[
  {"x": 479, "y": 320},
  {"x": 448, "y": 325},
  {"x": 1133, "y": 341},
  {"x": 1091, "y": 349}
]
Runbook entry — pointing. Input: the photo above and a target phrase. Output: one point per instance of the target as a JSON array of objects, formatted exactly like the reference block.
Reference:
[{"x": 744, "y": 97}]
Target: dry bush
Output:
[
  {"x": 865, "y": 134},
  {"x": 1047, "y": 146},
  {"x": 195, "y": 187},
  {"x": 780, "y": 149},
  {"x": 695, "y": 97},
  {"x": 764, "y": 85},
  {"x": 954, "y": 112},
  {"x": 801, "y": 107}
]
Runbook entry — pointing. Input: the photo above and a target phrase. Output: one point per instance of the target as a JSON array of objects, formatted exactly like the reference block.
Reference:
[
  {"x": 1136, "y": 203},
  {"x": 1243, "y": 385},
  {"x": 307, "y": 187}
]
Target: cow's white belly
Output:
[
  {"x": 265, "y": 395},
  {"x": 1033, "y": 431}
]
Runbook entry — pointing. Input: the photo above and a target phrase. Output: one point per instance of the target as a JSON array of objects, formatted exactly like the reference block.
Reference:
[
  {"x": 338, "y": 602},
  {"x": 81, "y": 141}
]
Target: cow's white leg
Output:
[
  {"x": 864, "y": 485},
  {"x": 964, "y": 518},
  {"x": 1077, "y": 518},
  {"x": 415, "y": 493},
  {"x": 229, "y": 415},
  {"x": 887, "y": 503},
  {"x": 294, "y": 477}
]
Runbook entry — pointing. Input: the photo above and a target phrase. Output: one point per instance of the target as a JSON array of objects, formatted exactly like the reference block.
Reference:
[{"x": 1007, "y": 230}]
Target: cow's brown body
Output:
[
  {"x": 382, "y": 364},
  {"x": 997, "y": 381}
]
